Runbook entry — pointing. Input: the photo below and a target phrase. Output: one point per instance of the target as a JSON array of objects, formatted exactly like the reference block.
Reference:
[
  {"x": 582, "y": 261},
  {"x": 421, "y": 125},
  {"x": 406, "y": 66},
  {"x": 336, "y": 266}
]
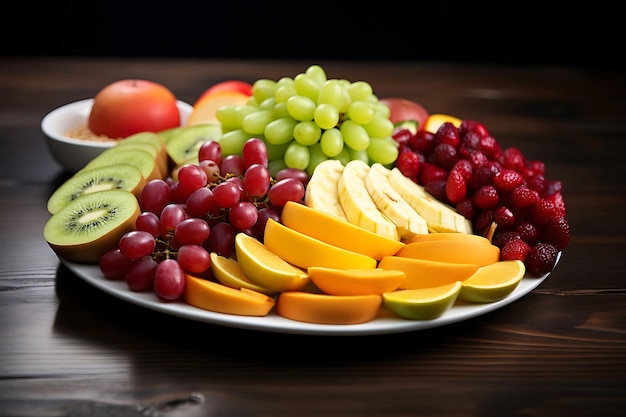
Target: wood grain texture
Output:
[{"x": 69, "y": 350}]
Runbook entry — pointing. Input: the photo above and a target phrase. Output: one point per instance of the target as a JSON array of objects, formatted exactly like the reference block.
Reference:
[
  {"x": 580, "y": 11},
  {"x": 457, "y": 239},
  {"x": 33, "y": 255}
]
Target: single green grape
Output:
[
  {"x": 280, "y": 130},
  {"x": 227, "y": 118},
  {"x": 232, "y": 142},
  {"x": 354, "y": 135},
  {"x": 297, "y": 155},
  {"x": 280, "y": 110},
  {"x": 331, "y": 93},
  {"x": 360, "y": 154},
  {"x": 275, "y": 152},
  {"x": 267, "y": 104},
  {"x": 316, "y": 73},
  {"x": 326, "y": 116},
  {"x": 307, "y": 133},
  {"x": 306, "y": 86},
  {"x": 242, "y": 111},
  {"x": 301, "y": 108},
  {"x": 284, "y": 92},
  {"x": 383, "y": 150},
  {"x": 379, "y": 127},
  {"x": 331, "y": 142},
  {"x": 254, "y": 123},
  {"x": 361, "y": 112},
  {"x": 263, "y": 89},
  {"x": 360, "y": 91}
]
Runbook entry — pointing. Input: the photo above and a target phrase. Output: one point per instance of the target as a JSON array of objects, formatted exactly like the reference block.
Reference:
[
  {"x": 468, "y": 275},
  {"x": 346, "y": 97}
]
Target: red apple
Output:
[
  {"x": 401, "y": 110},
  {"x": 130, "y": 106},
  {"x": 230, "y": 85}
]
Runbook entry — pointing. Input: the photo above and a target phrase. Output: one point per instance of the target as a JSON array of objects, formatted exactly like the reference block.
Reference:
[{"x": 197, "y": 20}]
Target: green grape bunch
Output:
[{"x": 309, "y": 118}]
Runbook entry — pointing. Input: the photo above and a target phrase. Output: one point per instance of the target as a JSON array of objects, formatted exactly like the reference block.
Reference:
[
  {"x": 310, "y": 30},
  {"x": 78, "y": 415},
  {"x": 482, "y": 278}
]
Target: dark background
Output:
[{"x": 508, "y": 33}]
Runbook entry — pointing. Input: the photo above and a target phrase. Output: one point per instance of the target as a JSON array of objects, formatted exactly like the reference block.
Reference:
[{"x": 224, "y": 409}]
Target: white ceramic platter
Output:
[{"x": 385, "y": 323}]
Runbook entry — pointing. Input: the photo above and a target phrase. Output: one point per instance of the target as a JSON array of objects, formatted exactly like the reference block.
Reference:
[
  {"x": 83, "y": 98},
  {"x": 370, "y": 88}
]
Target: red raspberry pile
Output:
[{"x": 506, "y": 196}]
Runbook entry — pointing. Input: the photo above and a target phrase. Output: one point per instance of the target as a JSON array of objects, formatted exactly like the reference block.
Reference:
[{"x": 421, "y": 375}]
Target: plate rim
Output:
[{"x": 385, "y": 323}]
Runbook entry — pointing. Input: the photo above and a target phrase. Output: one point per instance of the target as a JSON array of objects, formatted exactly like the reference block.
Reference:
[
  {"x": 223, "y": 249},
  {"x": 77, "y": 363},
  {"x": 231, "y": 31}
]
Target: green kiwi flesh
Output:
[
  {"x": 185, "y": 144},
  {"x": 121, "y": 177},
  {"x": 89, "y": 226},
  {"x": 142, "y": 159}
]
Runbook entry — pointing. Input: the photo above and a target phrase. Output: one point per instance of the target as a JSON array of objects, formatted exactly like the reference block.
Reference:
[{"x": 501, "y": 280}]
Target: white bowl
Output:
[{"x": 74, "y": 153}]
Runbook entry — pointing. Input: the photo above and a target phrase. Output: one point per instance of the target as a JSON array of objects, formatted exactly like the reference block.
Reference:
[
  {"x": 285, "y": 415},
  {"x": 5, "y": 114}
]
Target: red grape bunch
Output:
[
  {"x": 199, "y": 210},
  {"x": 467, "y": 168}
]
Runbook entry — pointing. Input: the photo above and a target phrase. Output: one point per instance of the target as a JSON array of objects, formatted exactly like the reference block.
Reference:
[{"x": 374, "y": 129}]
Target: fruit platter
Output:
[{"x": 305, "y": 205}]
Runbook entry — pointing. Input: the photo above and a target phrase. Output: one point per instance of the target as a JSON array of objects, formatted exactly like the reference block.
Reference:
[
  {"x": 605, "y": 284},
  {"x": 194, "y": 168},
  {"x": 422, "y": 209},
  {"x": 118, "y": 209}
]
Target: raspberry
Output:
[
  {"x": 486, "y": 197},
  {"x": 527, "y": 231},
  {"x": 512, "y": 158},
  {"x": 483, "y": 175},
  {"x": 430, "y": 172},
  {"x": 553, "y": 187},
  {"x": 456, "y": 187},
  {"x": 506, "y": 180},
  {"x": 541, "y": 258},
  {"x": 447, "y": 133},
  {"x": 444, "y": 155},
  {"x": 483, "y": 221},
  {"x": 538, "y": 167},
  {"x": 537, "y": 182},
  {"x": 402, "y": 136},
  {"x": 422, "y": 141},
  {"x": 464, "y": 167},
  {"x": 437, "y": 188},
  {"x": 557, "y": 232},
  {"x": 515, "y": 249},
  {"x": 502, "y": 237},
  {"x": 466, "y": 208},
  {"x": 491, "y": 148},
  {"x": 408, "y": 163},
  {"x": 523, "y": 197},
  {"x": 504, "y": 217},
  {"x": 473, "y": 127}
]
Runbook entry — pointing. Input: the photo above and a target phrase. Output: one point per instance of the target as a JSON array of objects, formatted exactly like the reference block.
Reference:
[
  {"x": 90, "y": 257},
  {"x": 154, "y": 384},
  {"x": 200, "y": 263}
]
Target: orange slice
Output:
[
  {"x": 493, "y": 282},
  {"x": 204, "y": 110},
  {"x": 265, "y": 268},
  {"x": 337, "y": 232},
  {"x": 454, "y": 251},
  {"x": 422, "y": 273},
  {"x": 424, "y": 303},
  {"x": 228, "y": 272},
  {"x": 212, "y": 296},
  {"x": 328, "y": 309},
  {"x": 304, "y": 251},
  {"x": 355, "y": 281}
]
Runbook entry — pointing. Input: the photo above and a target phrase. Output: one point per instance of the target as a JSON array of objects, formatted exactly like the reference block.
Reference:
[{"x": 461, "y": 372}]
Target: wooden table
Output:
[{"x": 68, "y": 349}]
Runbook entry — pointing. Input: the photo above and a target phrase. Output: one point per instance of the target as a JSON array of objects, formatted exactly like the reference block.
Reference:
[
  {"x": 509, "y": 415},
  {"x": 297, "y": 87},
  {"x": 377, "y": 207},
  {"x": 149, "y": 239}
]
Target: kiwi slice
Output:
[
  {"x": 157, "y": 150},
  {"x": 91, "y": 225},
  {"x": 186, "y": 143},
  {"x": 140, "y": 158},
  {"x": 121, "y": 177}
]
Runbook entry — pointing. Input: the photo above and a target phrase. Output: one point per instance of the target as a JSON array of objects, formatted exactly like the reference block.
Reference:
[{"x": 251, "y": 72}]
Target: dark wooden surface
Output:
[{"x": 68, "y": 349}]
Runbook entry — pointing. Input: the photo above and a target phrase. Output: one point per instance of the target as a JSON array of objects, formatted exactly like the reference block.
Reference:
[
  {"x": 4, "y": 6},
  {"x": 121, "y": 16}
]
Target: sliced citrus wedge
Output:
[
  {"x": 423, "y": 273},
  {"x": 493, "y": 282},
  {"x": 267, "y": 269},
  {"x": 228, "y": 272},
  {"x": 455, "y": 251},
  {"x": 213, "y": 296},
  {"x": 328, "y": 309},
  {"x": 423, "y": 303},
  {"x": 355, "y": 281},
  {"x": 304, "y": 251}
]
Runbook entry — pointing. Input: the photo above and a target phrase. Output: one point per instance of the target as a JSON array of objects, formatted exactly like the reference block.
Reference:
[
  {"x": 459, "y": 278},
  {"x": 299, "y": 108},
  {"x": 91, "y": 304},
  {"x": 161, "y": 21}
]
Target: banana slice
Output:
[
  {"x": 439, "y": 216},
  {"x": 392, "y": 204},
  {"x": 321, "y": 190},
  {"x": 357, "y": 203}
]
